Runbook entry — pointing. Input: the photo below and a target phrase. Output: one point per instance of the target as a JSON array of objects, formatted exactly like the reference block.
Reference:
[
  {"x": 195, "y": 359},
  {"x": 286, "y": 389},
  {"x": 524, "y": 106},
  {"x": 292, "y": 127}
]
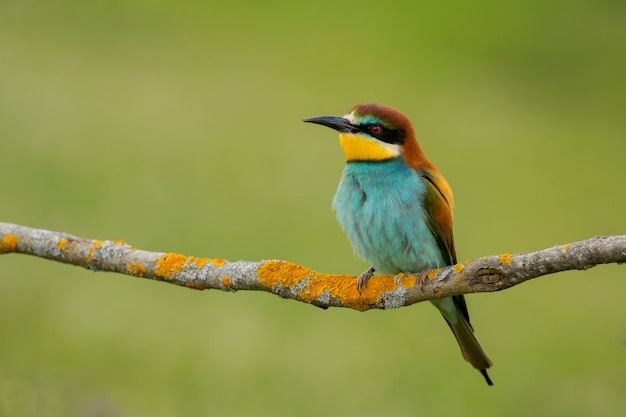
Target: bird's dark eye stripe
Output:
[{"x": 387, "y": 135}]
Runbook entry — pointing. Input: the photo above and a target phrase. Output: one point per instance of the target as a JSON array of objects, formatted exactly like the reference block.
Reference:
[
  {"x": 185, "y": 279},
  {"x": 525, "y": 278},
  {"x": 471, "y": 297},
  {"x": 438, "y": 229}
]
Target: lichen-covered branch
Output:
[{"x": 288, "y": 280}]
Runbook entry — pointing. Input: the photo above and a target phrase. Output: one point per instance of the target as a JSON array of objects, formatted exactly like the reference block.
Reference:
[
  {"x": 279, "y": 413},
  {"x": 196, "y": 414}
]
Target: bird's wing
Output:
[{"x": 438, "y": 204}]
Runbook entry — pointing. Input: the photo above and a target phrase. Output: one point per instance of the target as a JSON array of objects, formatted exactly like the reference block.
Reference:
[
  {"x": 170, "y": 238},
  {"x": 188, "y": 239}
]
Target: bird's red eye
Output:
[{"x": 376, "y": 129}]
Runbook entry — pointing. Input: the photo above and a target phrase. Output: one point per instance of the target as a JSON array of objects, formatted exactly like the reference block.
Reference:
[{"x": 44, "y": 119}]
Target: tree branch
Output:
[{"x": 288, "y": 280}]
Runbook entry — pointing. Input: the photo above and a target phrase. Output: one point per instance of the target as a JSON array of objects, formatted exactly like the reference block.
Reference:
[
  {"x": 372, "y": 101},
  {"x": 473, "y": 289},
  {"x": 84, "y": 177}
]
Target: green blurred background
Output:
[{"x": 175, "y": 126}]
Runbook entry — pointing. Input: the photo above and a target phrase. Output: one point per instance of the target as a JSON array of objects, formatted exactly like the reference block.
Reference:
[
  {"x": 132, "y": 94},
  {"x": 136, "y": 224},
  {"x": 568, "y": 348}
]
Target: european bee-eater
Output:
[{"x": 396, "y": 208}]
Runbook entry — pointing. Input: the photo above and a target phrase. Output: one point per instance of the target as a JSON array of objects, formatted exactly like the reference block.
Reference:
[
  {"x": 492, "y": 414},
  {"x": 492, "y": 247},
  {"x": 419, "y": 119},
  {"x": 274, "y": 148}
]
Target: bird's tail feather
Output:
[{"x": 470, "y": 348}]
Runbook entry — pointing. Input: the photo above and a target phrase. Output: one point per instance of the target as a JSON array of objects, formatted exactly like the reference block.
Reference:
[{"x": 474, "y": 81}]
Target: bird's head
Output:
[{"x": 371, "y": 132}]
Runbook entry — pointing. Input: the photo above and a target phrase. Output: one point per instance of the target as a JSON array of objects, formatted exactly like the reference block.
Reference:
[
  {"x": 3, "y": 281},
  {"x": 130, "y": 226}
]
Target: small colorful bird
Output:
[{"x": 396, "y": 208}]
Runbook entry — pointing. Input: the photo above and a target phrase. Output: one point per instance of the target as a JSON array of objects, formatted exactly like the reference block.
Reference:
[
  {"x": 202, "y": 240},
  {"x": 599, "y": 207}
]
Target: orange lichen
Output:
[
  {"x": 9, "y": 243},
  {"x": 288, "y": 275},
  {"x": 61, "y": 243},
  {"x": 407, "y": 281},
  {"x": 565, "y": 247},
  {"x": 505, "y": 259},
  {"x": 458, "y": 268},
  {"x": 136, "y": 270},
  {"x": 200, "y": 262},
  {"x": 272, "y": 273},
  {"x": 96, "y": 245},
  {"x": 228, "y": 282},
  {"x": 433, "y": 274},
  {"x": 171, "y": 264},
  {"x": 218, "y": 262},
  {"x": 340, "y": 287}
]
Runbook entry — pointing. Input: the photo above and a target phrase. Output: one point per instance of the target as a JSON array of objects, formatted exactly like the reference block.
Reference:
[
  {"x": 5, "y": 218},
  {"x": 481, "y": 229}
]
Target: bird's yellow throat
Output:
[{"x": 361, "y": 148}]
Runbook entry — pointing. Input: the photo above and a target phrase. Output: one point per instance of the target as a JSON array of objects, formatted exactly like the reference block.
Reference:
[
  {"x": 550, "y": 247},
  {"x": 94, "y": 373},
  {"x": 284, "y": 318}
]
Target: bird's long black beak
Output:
[{"x": 338, "y": 123}]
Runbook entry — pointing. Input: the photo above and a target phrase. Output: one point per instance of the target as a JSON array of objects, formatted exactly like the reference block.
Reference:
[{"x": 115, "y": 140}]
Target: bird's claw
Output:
[
  {"x": 422, "y": 277},
  {"x": 363, "y": 278}
]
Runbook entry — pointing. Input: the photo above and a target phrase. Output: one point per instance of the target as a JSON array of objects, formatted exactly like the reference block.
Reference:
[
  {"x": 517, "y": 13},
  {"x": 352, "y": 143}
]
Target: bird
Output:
[{"x": 396, "y": 208}]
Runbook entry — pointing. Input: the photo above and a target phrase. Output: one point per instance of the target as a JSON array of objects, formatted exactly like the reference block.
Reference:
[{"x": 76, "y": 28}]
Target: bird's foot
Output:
[
  {"x": 363, "y": 278},
  {"x": 422, "y": 277}
]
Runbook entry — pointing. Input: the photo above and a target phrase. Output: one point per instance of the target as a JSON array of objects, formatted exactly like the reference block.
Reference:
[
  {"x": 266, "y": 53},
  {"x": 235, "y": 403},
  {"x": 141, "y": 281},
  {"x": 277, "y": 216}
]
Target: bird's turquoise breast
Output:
[{"x": 380, "y": 207}]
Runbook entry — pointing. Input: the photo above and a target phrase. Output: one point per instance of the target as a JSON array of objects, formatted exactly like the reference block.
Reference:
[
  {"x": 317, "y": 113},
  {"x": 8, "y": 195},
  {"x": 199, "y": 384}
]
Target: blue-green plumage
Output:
[{"x": 379, "y": 205}]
